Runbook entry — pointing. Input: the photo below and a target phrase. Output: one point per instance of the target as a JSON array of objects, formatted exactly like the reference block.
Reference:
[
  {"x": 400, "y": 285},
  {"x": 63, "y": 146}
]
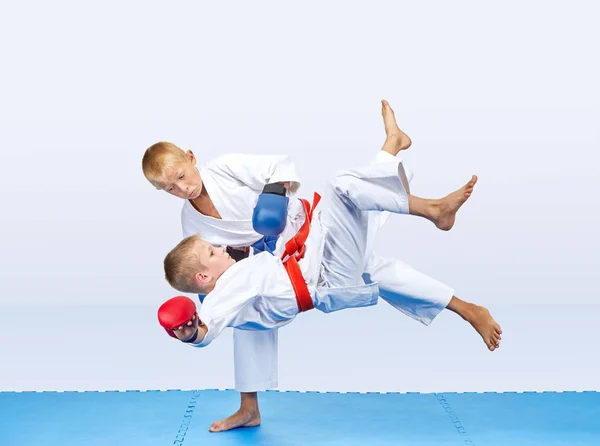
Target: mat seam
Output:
[
  {"x": 454, "y": 418},
  {"x": 187, "y": 418}
]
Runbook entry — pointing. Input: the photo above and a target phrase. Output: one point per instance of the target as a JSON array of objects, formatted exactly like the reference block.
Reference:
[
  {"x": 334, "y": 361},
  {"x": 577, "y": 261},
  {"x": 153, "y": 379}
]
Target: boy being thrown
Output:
[{"x": 264, "y": 292}]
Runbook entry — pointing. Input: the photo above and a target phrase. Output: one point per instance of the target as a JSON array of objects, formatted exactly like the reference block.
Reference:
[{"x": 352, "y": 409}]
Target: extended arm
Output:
[{"x": 256, "y": 171}]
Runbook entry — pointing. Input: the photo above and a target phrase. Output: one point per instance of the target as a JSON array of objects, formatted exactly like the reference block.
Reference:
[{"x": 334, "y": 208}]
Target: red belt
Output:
[{"x": 294, "y": 248}]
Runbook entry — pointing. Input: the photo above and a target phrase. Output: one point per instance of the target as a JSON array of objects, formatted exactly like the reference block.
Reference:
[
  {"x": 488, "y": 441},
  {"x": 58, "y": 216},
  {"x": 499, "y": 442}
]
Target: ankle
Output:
[
  {"x": 249, "y": 412},
  {"x": 464, "y": 309},
  {"x": 434, "y": 209},
  {"x": 249, "y": 409},
  {"x": 469, "y": 311},
  {"x": 392, "y": 144}
]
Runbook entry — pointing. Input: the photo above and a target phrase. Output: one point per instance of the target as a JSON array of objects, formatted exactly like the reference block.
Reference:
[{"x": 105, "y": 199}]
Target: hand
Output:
[
  {"x": 270, "y": 212},
  {"x": 187, "y": 331}
]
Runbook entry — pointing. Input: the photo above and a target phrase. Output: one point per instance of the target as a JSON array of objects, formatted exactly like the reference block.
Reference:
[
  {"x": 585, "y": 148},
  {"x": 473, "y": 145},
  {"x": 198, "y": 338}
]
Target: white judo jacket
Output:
[{"x": 257, "y": 294}]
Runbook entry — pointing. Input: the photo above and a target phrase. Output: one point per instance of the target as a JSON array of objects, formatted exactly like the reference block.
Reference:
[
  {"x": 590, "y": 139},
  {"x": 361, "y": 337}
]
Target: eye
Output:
[{"x": 181, "y": 176}]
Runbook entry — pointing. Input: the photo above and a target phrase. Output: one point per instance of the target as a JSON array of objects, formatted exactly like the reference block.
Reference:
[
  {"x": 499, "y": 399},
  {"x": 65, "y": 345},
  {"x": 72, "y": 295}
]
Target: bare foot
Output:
[
  {"x": 482, "y": 321},
  {"x": 446, "y": 208},
  {"x": 241, "y": 418},
  {"x": 396, "y": 140}
]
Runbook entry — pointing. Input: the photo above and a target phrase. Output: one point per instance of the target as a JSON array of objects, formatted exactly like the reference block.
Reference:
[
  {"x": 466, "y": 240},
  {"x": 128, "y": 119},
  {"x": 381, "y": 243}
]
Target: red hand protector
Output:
[{"x": 175, "y": 312}]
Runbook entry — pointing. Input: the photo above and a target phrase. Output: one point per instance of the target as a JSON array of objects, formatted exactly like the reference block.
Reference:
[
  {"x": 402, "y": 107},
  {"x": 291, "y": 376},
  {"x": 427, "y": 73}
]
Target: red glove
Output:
[{"x": 175, "y": 312}]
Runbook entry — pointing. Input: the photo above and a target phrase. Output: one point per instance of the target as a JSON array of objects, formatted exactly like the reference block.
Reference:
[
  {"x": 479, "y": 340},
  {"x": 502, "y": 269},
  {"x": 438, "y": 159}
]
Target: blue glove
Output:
[
  {"x": 270, "y": 212},
  {"x": 268, "y": 243}
]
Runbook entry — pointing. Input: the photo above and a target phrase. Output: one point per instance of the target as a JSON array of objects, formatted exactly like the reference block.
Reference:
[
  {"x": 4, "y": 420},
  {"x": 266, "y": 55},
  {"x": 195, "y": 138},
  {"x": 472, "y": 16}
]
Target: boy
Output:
[
  {"x": 219, "y": 199},
  {"x": 263, "y": 292}
]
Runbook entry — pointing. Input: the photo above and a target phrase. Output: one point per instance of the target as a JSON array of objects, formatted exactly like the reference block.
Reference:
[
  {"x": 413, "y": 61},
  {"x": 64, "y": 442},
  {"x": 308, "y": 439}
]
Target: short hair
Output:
[
  {"x": 181, "y": 265},
  {"x": 158, "y": 156}
]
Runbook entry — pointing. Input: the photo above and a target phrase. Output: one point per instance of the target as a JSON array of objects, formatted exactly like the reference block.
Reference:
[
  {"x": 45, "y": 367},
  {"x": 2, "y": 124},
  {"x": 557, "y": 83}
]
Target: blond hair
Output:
[
  {"x": 181, "y": 265},
  {"x": 157, "y": 157}
]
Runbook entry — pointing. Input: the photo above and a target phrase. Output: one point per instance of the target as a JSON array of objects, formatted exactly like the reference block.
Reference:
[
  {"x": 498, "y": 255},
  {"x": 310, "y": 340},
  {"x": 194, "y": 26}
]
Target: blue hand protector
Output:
[
  {"x": 267, "y": 243},
  {"x": 270, "y": 212}
]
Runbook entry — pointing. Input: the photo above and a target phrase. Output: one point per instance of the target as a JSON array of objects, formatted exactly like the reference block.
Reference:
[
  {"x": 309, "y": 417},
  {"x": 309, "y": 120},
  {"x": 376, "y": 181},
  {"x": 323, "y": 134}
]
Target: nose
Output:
[{"x": 185, "y": 189}]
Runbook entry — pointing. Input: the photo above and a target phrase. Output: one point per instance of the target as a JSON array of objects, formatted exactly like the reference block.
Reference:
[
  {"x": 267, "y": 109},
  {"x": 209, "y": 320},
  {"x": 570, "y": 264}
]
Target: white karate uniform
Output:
[
  {"x": 234, "y": 183},
  {"x": 257, "y": 293}
]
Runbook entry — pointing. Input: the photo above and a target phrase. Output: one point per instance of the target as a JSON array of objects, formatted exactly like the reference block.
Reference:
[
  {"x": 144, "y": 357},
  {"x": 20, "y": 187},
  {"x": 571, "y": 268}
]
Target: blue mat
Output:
[{"x": 297, "y": 418}]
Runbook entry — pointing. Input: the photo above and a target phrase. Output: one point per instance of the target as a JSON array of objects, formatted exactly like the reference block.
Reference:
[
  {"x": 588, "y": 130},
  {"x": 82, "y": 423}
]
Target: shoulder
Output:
[
  {"x": 231, "y": 159},
  {"x": 234, "y": 159},
  {"x": 223, "y": 159}
]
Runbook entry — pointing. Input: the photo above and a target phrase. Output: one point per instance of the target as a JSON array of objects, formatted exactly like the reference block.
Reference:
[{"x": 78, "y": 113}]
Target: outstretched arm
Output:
[{"x": 255, "y": 171}]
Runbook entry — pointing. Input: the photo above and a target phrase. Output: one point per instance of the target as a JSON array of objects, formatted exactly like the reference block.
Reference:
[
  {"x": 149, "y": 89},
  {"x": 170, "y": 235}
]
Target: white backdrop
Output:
[{"x": 506, "y": 91}]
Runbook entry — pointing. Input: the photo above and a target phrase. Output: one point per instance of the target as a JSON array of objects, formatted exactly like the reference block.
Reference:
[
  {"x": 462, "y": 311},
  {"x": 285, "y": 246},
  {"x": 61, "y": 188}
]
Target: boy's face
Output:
[
  {"x": 181, "y": 178},
  {"x": 215, "y": 261}
]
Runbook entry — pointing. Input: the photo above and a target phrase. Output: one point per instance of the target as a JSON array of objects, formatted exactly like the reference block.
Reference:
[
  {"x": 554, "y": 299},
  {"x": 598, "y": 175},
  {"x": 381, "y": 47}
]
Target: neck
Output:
[
  {"x": 208, "y": 287},
  {"x": 203, "y": 194},
  {"x": 204, "y": 204},
  {"x": 202, "y": 198}
]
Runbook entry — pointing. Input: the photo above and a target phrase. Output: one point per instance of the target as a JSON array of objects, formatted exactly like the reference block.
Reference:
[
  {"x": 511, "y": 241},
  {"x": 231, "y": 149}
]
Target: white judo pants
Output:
[{"x": 360, "y": 202}]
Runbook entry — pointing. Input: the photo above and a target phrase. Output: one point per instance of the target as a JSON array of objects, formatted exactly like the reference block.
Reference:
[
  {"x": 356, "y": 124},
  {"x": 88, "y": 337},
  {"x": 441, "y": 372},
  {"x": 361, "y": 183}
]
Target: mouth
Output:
[{"x": 192, "y": 194}]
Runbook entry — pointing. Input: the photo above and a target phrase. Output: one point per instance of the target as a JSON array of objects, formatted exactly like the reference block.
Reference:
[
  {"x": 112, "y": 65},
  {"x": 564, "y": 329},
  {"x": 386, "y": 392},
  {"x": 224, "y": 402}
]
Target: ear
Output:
[
  {"x": 191, "y": 157},
  {"x": 202, "y": 278}
]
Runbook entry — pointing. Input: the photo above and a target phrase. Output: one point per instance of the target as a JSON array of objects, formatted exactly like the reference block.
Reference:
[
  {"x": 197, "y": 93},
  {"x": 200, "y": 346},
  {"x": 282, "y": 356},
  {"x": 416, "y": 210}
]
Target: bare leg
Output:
[
  {"x": 441, "y": 212},
  {"x": 395, "y": 139},
  {"x": 247, "y": 416},
  {"x": 481, "y": 320}
]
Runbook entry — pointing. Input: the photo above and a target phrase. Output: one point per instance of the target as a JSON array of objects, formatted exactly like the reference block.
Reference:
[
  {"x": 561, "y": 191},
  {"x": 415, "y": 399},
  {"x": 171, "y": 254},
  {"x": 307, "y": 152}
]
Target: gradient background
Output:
[{"x": 508, "y": 91}]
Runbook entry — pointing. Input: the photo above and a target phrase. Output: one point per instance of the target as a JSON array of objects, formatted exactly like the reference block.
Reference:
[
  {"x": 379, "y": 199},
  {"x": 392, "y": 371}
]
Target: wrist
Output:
[
  {"x": 276, "y": 188},
  {"x": 198, "y": 336},
  {"x": 191, "y": 339}
]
